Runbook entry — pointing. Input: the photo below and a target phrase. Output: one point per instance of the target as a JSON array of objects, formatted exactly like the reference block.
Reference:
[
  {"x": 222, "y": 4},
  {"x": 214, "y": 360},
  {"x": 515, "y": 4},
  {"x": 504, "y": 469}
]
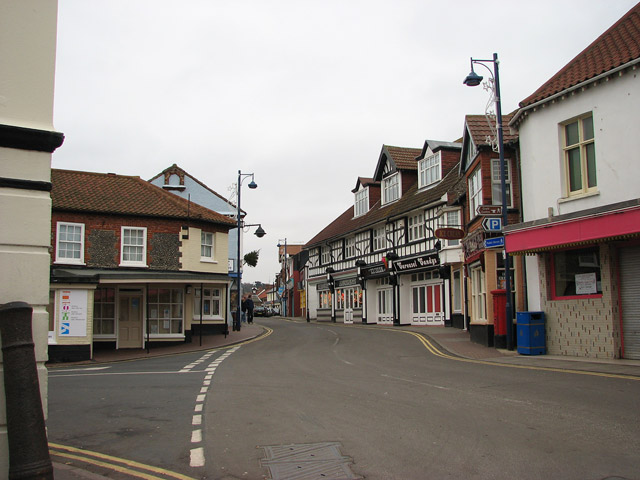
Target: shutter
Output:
[{"x": 630, "y": 279}]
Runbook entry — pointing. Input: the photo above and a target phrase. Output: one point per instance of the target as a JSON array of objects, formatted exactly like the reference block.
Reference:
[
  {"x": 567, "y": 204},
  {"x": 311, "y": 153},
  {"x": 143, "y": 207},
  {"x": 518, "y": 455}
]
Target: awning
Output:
[{"x": 587, "y": 227}]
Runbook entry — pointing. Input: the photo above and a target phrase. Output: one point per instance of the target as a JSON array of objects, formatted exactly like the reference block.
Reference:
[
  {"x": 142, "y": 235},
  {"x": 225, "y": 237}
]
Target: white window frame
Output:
[
  {"x": 496, "y": 184},
  {"x": 171, "y": 311},
  {"x": 395, "y": 233},
  {"x": 456, "y": 291},
  {"x": 450, "y": 218},
  {"x": 391, "y": 188},
  {"x": 363, "y": 242},
  {"x": 204, "y": 245},
  {"x": 349, "y": 247},
  {"x": 336, "y": 251},
  {"x": 416, "y": 227},
  {"x": 478, "y": 294},
  {"x": 325, "y": 255},
  {"x": 582, "y": 147},
  {"x": 214, "y": 296},
  {"x": 429, "y": 170},
  {"x": 475, "y": 192},
  {"x": 133, "y": 263},
  {"x": 101, "y": 306},
  {"x": 60, "y": 258},
  {"x": 379, "y": 238},
  {"x": 361, "y": 205}
]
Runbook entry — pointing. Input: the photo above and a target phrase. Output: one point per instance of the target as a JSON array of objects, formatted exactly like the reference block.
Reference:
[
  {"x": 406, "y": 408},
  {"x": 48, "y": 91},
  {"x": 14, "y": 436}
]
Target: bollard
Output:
[{"x": 28, "y": 447}]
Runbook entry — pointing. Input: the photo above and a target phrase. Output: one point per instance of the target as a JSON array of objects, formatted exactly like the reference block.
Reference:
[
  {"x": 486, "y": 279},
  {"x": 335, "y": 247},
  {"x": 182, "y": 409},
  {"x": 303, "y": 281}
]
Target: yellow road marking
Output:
[
  {"x": 102, "y": 460},
  {"x": 439, "y": 353}
]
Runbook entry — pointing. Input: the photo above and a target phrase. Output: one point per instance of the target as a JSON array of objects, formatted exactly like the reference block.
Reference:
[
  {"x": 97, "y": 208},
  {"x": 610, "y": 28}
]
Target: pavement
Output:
[{"x": 451, "y": 342}]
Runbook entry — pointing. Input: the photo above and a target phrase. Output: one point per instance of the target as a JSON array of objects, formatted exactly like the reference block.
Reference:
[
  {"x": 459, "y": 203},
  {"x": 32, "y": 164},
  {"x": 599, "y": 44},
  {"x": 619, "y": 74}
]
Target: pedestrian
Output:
[
  {"x": 243, "y": 305},
  {"x": 249, "y": 303}
]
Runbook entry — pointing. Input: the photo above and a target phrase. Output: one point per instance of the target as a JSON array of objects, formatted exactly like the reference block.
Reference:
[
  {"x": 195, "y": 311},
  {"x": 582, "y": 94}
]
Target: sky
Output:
[{"x": 302, "y": 94}]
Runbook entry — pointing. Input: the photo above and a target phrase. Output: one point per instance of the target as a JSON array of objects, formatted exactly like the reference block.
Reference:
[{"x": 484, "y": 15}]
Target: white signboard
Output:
[
  {"x": 72, "y": 312},
  {"x": 586, "y": 283}
]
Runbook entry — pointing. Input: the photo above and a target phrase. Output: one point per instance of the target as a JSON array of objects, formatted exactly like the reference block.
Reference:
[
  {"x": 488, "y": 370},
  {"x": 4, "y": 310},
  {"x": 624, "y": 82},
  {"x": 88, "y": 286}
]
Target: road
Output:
[{"x": 363, "y": 402}]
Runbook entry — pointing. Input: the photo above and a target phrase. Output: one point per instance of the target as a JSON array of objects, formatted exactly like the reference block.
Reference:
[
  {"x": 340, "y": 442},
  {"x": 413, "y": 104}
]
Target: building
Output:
[
  {"x": 379, "y": 262},
  {"x": 580, "y": 233},
  {"x": 288, "y": 279},
  {"x": 485, "y": 265},
  {"x": 132, "y": 265},
  {"x": 27, "y": 140}
]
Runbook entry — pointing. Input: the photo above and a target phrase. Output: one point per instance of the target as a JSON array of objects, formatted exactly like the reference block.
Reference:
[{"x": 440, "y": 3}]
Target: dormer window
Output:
[
  {"x": 361, "y": 205},
  {"x": 429, "y": 170},
  {"x": 391, "y": 188}
]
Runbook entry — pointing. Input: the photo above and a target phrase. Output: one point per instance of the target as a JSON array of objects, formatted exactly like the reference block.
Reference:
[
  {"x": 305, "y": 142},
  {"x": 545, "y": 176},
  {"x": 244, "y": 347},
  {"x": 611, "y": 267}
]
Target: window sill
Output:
[
  {"x": 207, "y": 260},
  {"x": 578, "y": 196},
  {"x": 69, "y": 262},
  {"x": 577, "y": 297},
  {"x": 214, "y": 318},
  {"x": 133, "y": 264}
]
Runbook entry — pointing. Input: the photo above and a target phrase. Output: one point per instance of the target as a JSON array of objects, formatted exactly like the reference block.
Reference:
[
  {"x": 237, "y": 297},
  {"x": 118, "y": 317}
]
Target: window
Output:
[
  {"x": 336, "y": 250},
  {"x": 325, "y": 255},
  {"x": 104, "y": 311},
  {"x": 580, "y": 156},
  {"x": 457, "y": 291},
  {"x": 350, "y": 247},
  {"x": 478, "y": 294},
  {"x": 391, "y": 188},
  {"x": 363, "y": 243},
  {"x": 496, "y": 184},
  {"x": 429, "y": 170},
  {"x": 134, "y": 246},
  {"x": 164, "y": 312},
  {"x": 576, "y": 273},
  {"x": 450, "y": 218},
  {"x": 395, "y": 233},
  {"x": 324, "y": 299},
  {"x": 379, "y": 239},
  {"x": 416, "y": 227},
  {"x": 206, "y": 246},
  {"x": 362, "y": 202},
  {"x": 70, "y": 248},
  {"x": 475, "y": 192},
  {"x": 210, "y": 302},
  {"x": 348, "y": 298}
]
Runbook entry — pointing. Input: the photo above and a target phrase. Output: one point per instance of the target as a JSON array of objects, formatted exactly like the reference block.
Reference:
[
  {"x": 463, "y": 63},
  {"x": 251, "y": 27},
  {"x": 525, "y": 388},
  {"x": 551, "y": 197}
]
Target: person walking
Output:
[
  {"x": 249, "y": 304},
  {"x": 243, "y": 305}
]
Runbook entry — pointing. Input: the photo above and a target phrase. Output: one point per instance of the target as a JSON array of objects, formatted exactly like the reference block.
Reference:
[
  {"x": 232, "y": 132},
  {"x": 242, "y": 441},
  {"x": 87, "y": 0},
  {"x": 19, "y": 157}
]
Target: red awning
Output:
[{"x": 588, "y": 229}]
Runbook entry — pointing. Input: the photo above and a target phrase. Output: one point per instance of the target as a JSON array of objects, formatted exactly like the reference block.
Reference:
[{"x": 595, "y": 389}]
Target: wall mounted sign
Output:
[
  {"x": 72, "y": 313},
  {"x": 424, "y": 261},
  {"x": 449, "y": 233}
]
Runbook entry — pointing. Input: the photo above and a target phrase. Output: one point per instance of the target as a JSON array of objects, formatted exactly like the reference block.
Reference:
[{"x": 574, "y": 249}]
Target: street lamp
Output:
[
  {"x": 259, "y": 233},
  {"x": 286, "y": 301},
  {"x": 473, "y": 80}
]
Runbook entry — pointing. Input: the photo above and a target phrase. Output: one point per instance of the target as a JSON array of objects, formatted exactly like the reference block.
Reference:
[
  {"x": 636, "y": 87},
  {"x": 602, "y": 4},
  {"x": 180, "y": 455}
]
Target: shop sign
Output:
[
  {"x": 378, "y": 270},
  {"x": 72, "y": 312},
  {"x": 449, "y": 233},
  {"x": 346, "y": 282},
  {"x": 473, "y": 243},
  {"x": 425, "y": 261}
]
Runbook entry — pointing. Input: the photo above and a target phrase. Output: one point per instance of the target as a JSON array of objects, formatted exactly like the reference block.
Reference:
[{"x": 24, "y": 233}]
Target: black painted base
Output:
[{"x": 69, "y": 353}]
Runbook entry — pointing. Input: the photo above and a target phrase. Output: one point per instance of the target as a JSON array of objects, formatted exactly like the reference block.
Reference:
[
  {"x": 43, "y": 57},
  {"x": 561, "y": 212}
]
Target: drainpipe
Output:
[{"x": 28, "y": 447}]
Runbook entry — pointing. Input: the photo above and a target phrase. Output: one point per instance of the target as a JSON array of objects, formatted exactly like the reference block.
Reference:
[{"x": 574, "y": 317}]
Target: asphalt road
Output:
[{"x": 375, "y": 402}]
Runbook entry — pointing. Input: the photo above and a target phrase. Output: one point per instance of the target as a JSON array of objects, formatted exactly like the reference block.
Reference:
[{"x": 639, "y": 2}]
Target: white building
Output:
[{"x": 579, "y": 147}]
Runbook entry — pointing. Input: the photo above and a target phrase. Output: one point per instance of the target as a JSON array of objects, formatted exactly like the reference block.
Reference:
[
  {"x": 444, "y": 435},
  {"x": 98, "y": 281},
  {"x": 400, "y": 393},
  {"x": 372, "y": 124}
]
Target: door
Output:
[
  {"x": 630, "y": 294},
  {"x": 427, "y": 308},
  {"x": 385, "y": 306},
  {"x": 130, "y": 321}
]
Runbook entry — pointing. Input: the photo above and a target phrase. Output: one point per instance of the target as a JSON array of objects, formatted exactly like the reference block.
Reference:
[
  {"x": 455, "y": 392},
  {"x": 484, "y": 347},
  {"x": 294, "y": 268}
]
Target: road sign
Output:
[
  {"x": 494, "y": 242},
  {"x": 492, "y": 224},
  {"x": 489, "y": 210}
]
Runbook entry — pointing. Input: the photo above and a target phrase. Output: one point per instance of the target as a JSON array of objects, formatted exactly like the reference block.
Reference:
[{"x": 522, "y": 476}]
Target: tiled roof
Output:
[
  {"x": 403, "y": 157},
  {"x": 109, "y": 193},
  {"x": 365, "y": 182},
  {"x": 411, "y": 199},
  {"x": 479, "y": 129},
  {"x": 615, "y": 47}
]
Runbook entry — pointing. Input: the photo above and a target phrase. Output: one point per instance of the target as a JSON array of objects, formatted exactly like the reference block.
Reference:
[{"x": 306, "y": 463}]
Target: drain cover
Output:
[{"x": 307, "y": 461}]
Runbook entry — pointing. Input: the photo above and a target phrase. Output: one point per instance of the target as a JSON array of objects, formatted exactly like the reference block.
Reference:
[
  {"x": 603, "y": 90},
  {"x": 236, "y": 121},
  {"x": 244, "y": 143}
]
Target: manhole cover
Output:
[{"x": 307, "y": 461}]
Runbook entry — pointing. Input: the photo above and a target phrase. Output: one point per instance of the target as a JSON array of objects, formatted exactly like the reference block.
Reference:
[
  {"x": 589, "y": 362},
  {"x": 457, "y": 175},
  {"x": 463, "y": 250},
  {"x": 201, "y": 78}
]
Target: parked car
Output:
[{"x": 260, "y": 311}]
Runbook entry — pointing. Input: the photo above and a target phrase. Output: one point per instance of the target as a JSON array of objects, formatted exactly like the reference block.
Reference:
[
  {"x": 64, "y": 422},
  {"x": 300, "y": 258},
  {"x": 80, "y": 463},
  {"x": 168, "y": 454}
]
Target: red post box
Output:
[{"x": 499, "y": 312}]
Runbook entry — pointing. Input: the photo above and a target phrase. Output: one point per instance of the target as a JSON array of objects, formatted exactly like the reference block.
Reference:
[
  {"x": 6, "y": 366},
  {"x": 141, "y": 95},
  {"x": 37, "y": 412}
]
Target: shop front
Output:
[{"x": 420, "y": 290}]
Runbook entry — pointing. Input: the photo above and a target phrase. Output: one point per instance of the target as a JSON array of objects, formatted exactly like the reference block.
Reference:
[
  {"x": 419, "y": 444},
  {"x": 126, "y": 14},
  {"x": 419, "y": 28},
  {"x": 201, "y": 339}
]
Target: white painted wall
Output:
[
  {"x": 614, "y": 104},
  {"x": 27, "y": 62}
]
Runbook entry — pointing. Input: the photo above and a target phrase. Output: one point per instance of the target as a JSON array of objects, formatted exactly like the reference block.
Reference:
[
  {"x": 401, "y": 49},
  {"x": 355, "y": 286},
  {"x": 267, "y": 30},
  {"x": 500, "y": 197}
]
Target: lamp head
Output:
[
  {"x": 473, "y": 79},
  {"x": 260, "y": 232},
  {"x": 252, "y": 184}
]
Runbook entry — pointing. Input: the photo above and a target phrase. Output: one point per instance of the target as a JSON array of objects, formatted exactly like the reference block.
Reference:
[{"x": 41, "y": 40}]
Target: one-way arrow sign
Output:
[{"x": 492, "y": 224}]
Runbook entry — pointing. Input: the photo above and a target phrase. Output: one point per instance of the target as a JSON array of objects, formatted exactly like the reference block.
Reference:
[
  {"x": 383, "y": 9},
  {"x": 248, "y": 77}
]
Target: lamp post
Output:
[
  {"x": 259, "y": 233},
  {"x": 286, "y": 290},
  {"x": 473, "y": 80}
]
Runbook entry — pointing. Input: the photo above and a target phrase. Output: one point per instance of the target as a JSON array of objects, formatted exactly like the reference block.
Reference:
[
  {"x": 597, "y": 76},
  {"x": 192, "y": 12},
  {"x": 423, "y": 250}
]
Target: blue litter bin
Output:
[{"x": 531, "y": 333}]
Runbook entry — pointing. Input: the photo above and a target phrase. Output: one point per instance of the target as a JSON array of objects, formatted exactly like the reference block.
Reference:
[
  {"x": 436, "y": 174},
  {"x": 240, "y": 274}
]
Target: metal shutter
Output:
[{"x": 630, "y": 278}]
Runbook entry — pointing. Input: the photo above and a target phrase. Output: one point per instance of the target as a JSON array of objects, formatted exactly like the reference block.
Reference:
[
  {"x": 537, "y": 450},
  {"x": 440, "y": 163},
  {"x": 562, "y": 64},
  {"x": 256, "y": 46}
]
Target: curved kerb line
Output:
[{"x": 102, "y": 460}]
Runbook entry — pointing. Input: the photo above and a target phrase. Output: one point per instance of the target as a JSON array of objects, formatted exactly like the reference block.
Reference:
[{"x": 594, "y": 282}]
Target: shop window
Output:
[
  {"x": 210, "y": 302},
  {"x": 324, "y": 299},
  {"x": 165, "y": 311},
  {"x": 104, "y": 311},
  {"x": 576, "y": 274}
]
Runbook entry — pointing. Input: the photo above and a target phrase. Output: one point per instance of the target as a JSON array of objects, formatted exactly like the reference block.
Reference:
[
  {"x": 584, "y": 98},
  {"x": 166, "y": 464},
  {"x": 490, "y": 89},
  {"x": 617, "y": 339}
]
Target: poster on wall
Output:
[
  {"x": 73, "y": 313},
  {"x": 586, "y": 283}
]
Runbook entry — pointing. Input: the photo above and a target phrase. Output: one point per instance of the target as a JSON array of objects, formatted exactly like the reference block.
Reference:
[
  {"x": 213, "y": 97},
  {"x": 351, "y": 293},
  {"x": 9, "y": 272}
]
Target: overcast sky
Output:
[{"x": 301, "y": 93}]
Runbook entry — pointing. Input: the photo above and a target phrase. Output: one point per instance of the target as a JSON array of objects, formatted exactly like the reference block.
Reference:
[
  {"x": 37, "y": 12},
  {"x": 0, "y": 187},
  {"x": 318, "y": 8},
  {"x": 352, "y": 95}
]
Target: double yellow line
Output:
[{"x": 121, "y": 465}]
